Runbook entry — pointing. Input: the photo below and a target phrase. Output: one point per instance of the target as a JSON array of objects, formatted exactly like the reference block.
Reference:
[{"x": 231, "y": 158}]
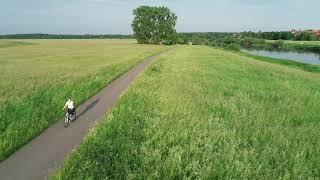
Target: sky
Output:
[{"x": 115, "y": 16}]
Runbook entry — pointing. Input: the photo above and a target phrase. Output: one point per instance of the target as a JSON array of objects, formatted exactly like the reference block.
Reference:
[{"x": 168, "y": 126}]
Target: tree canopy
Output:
[{"x": 154, "y": 25}]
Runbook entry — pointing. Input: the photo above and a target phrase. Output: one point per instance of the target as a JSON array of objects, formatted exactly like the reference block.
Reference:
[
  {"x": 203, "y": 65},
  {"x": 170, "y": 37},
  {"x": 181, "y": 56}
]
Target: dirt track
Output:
[{"x": 45, "y": 153}]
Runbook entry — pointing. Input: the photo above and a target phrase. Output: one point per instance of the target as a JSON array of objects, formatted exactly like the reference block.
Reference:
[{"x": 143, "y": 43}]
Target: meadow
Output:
[
  {"x": 37, "y": 77},
  {"x": 206, "y": 113}
]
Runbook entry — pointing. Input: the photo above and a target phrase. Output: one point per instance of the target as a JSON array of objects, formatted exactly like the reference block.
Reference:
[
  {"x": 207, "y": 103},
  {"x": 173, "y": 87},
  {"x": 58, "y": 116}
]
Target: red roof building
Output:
[{"x": 316, "y": 32}]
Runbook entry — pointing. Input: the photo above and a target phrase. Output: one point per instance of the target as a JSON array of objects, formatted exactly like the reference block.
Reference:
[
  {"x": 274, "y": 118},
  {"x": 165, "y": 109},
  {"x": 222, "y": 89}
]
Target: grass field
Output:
[
  {"x": 206, "y": 113},
  {"x": 36, "y": 77}
]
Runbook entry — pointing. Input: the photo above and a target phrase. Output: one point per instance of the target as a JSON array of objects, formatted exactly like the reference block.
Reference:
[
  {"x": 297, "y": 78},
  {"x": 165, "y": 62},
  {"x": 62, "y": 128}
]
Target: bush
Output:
[
  {"x": 231, "y": 39},
  {"x": 233, "y": 47},
  {"x": 247, "y": 42},
  {"x": 180, "y": 40},
  {"x": 171, "y": 39},
  {"x": 197, "y": 40},
  {"x": 260, "y": 41},
  {"x": 220, "y": 42},
  {"x": 206, "y": 42},
  {"x": 277, "y": 44},
  {"x": 212, "y": 43}
]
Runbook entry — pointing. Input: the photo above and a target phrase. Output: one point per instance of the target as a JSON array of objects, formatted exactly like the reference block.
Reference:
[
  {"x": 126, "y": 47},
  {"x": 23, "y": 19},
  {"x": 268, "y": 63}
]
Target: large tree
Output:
[{"x": 154, "y": 25}]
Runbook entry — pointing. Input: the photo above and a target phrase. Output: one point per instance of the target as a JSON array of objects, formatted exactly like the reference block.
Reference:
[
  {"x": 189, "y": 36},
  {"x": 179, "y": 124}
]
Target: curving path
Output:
[{"x": 39, "y": 158}]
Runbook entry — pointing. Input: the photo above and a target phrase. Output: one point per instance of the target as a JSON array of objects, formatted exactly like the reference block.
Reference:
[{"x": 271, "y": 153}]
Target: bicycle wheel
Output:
[
  {"x": 74, "y": 116},
  {"x": 66, "y": 121}
]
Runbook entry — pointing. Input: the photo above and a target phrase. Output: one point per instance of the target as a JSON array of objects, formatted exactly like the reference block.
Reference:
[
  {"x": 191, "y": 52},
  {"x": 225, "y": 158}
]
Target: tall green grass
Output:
[
  {"x": 204, "y": 113},
  {"x": 35, "y": 84}
]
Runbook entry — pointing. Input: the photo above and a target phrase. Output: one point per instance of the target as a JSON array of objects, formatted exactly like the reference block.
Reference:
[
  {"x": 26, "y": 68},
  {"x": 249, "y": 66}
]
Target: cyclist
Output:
[{"x": 69, "y": 104}]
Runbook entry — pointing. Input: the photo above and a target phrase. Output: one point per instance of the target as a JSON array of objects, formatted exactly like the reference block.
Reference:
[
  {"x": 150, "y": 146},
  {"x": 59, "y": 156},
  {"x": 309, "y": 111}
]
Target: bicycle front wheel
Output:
[{"x": 66, "y": 121}]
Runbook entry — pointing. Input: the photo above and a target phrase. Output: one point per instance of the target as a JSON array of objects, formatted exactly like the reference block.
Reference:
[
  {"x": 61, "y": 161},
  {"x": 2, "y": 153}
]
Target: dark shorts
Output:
[{"x": 71, "y": 111}]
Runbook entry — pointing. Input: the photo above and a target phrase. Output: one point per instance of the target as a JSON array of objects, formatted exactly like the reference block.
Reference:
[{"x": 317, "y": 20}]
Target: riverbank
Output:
[
  {"x": 287, "y": 62},
  {"x": 303, "y": 57},
  {"x": 301, "y": 46}
]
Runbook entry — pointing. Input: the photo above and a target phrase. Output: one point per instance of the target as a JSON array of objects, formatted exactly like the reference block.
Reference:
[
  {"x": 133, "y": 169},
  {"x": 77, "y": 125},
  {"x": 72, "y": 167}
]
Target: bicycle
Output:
[{"x": 69, "y": 118}]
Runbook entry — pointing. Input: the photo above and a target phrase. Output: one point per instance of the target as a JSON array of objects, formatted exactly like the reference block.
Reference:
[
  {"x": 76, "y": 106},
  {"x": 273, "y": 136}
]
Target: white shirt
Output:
[{"x": 69, "y": 104}]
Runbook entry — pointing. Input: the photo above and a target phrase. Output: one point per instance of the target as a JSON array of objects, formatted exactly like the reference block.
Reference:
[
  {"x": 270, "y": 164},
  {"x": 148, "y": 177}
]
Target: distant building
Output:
[{"x": 315, "y": 31}]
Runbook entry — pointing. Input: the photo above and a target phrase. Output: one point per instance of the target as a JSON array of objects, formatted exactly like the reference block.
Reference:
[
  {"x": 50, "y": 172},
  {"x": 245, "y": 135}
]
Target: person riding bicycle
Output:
[{"x": 69, "y": 104}]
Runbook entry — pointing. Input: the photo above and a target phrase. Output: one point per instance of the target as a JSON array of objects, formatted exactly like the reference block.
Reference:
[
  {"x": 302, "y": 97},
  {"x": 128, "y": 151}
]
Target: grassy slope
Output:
[
  {"x": 35, "y": 80},
  {"x": 206, "y": 113}
]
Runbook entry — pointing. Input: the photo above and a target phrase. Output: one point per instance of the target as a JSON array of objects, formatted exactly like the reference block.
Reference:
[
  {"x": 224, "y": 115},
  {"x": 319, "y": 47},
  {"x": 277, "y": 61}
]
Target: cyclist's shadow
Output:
[{"x": 90, "y": 106}]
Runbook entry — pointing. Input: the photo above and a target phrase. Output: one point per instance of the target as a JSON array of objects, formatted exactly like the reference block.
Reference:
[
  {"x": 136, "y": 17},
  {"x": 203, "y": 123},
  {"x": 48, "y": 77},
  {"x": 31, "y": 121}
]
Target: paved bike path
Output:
[{"x": 39, "y": 158}]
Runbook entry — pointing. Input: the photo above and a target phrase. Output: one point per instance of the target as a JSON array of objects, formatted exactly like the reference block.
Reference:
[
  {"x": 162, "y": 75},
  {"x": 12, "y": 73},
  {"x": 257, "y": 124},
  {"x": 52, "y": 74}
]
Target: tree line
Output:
[
  {"x": 204, "y": 38},
  {"x": 283, "y": 35},
  {"x": 65, "y": 36},
  {"x": 178, "y": 38}
]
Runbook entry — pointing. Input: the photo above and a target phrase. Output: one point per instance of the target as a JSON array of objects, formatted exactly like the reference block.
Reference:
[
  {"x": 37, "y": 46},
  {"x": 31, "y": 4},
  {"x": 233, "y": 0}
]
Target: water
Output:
[{"x": 304, "y": 57}]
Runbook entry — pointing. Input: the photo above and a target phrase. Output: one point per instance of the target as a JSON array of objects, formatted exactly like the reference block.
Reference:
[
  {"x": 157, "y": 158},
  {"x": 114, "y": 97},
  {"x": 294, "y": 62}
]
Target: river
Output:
[{"x": 304, "y": 57}]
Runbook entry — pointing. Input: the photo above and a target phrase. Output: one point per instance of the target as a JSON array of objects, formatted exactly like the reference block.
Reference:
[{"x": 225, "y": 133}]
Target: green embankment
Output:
[
  {"x": 200, "y": 112},
  {"x": 35, "y": 80}
]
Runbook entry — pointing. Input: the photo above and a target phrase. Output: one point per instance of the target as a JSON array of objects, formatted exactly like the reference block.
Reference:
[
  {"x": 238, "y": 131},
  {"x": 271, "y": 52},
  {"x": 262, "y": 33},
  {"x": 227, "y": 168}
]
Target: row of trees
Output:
[
  {"x": 283, "y": 35},
  {"x": 175, "y": 38},
  {"x": 228, "y": 40},
  {"x": 204, "y": 38},
  {"x": 179, "y": 38},
  {"x": 65, "y": 36}
]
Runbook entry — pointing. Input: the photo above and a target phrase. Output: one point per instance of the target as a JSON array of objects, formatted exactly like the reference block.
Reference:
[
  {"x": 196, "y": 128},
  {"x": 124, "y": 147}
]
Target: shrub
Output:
[
  {"x": 196, "y": 40},
  {"x": 212, "y": 43},
  {"x": 180, "y": 40},
  {"x": 260, "y": 41},
  {"x": 233, "y": 47},
  {"x": 277, "y": 44},
  {"x": 247, "y": 42}
]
